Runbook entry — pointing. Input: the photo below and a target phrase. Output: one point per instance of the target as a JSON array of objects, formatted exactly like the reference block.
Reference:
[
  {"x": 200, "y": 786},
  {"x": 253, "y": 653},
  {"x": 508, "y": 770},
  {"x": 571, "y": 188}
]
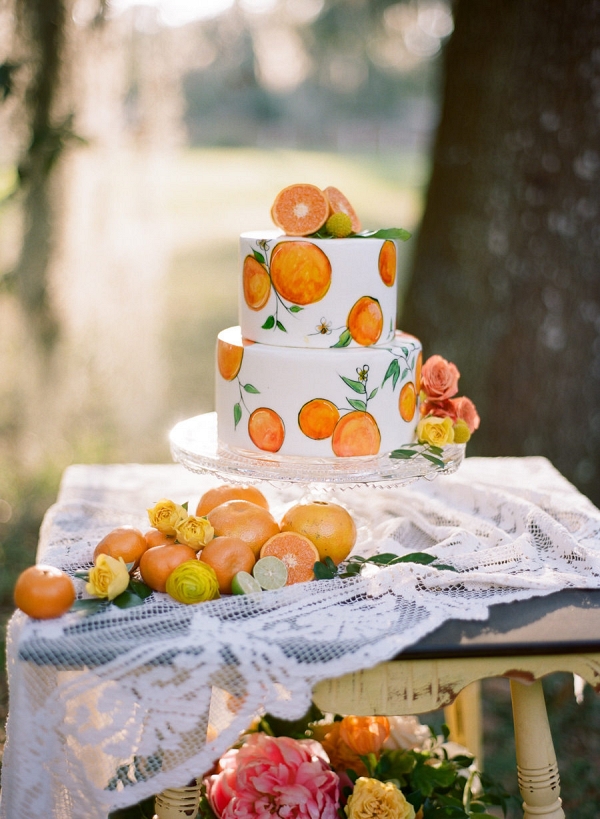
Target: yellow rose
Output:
[
  {"x": 435, "y": 431},
  {"x": 193, "y": 582},
  {"x": 194, "y": 531},
  {"x": 166, "y": 516},
  {"x": 372, "y": 799},
  {"x": 108, "y": 578}
]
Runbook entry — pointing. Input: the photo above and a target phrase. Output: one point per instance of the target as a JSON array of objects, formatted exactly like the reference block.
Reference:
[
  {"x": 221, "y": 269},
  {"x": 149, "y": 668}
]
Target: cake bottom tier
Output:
[{"x": 328, "y": 403}]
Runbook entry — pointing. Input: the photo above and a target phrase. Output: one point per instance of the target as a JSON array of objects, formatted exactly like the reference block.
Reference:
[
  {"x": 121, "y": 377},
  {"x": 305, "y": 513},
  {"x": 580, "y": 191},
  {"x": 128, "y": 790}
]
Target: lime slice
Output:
[
  {"x": 244, "y": 583},
  {"x": 271, "y": 572}
]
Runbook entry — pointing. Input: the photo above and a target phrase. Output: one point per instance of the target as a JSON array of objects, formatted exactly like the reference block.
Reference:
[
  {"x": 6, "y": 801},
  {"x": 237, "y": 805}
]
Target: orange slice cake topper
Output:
[{"x": 300, "y": 210}]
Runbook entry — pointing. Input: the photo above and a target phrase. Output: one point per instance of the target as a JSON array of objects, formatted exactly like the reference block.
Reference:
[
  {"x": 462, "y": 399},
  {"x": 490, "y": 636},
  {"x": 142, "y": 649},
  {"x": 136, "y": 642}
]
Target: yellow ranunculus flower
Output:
[
  {"x": 435, "y": 431},
  {"x": 108, "y": 578},
  {"x": 193, "y": 582},
  {"x": 372, "y": 799},
  {"x": 194, "y": 531},
  {"x": 166, "y": 516}
]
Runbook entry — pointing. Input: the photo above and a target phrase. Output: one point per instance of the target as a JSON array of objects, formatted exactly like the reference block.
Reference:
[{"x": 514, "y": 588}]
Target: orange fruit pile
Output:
[
  {"x": 244, "y": 520},
  {"x": 327, "y": 525},
  {"x": 158, "y": 562},
  {"x": 302, "y": 209},
  {"x": 229, "y": 491},
  {"x": 228, "y": 556},
  {"x": 124, "y": 541}
]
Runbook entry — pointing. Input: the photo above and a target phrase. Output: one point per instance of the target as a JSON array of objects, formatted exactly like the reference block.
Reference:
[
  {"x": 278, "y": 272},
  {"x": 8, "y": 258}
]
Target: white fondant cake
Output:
[
  {"x": 326, "y": 403},
  {"x": 318, "y": 293}
]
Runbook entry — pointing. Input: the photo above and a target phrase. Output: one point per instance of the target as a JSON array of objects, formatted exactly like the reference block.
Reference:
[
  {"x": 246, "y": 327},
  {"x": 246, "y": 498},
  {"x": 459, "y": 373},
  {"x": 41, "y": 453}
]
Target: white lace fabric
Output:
[{"x": 108, "y": 709}]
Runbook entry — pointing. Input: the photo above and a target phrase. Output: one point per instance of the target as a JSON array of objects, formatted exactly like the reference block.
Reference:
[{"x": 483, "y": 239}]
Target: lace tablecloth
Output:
[{"x": 108, "y": 709}]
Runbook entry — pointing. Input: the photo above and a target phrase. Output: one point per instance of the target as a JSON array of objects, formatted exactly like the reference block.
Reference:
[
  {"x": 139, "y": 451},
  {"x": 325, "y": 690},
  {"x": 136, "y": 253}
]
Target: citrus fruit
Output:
[
  {"x": 317, "y": 418},
  {"x": 327, "y": 525},
  {"x": 229, "y": 491},
  {"x": 418, "y": 368},
  {"x": 158, "y": 562},
  {"x": 387, "y": 263},
  {"x": 300, "y": 209},
  {"x": 407, "y": 401},
  {"x": 244, "y": 583},
  {"x": 266, "y": 429},
  {"x": 365, "y": 321},
  {"x": 229, "y": 359},
  {"x": 154, "y": 537},
  {"x": 228, "y": 556},
  {"x": 245, "y": 520},
  {"x": 270, "y": 572},
  {"x": 256, "y": 283},
  {"x": 300, "y": 272},
  {"x": 124, "y": 541},
  {"x": 297, "y": 552},
  {"x": 339, "y": 204},
  {"x": 44, "y": 592},
  {"x": 193, "y": 582},
  {"x": 356, "y": 434}
]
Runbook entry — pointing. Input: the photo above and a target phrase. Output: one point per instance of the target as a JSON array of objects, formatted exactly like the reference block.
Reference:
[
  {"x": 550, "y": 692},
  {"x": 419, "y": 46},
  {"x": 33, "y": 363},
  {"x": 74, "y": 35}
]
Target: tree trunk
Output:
[{"x": 506, "y": 275}]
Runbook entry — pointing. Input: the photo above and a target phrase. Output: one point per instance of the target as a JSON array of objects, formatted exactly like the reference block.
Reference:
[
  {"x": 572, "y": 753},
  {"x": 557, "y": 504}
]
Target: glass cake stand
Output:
[{"x": 195, "y": 445}]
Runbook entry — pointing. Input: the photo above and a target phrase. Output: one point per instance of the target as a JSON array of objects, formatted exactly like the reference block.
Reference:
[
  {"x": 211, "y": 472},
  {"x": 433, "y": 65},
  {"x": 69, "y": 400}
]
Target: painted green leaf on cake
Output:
[
  {"x": 237, "y": 414},
  {"x": 269, "y": 323},
  {"x": 281, "y": 327},
  {"x": 250, "y": 388},
  {"x": 357, "y": 386},
  {"x": 374, "y": 393},
  {"x": 295, "y": 308},
  {"x": 344, "y": 339},
  {"x": 356, "y": 404},
  {"x": 258, "y": 256}
]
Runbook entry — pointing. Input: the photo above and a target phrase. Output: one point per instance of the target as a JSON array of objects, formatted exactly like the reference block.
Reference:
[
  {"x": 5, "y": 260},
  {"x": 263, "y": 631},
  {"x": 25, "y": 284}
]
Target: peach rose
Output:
[
  {"x": 372, "y": 799},
  {"x": 439, "y": 378},
  {"x": 441, "y": 409},
  {"x": 465, "y": 410},
  {"x": 364, "y": 735}
]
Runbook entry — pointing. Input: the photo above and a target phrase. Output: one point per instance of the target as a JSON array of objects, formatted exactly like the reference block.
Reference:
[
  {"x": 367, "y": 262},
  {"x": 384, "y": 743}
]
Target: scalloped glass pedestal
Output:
[{"x": 195, "y": 445}]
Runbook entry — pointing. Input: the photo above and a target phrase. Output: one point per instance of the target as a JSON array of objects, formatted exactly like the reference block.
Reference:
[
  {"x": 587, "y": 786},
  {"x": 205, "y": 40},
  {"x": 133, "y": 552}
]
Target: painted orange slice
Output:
[
  {"x": 317, "y": 418},
  {"x": 407, "y": 402},
  {"x": 356, "y": 434},
  {"x": 297, "y": 552},
  {"x": 365, "y": 321},
  {"x": 266, "y": 429},
  {"x": 300, "y": 272},
  {"x": 300, "y": 209},
  {"x": 387, "y": 263},
  {"x": 256, "y": 283},
  {"x": 339, "y": 204},
  {"x": 229, "y": 359}
]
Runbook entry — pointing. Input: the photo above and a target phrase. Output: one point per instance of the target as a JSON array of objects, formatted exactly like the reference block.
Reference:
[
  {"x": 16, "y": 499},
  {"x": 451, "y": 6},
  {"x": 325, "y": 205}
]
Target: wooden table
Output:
[{"x": 523, "y": 641}]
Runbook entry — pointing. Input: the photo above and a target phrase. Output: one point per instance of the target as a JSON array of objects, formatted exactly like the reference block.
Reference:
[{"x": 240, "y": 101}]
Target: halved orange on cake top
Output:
[{"x": 300, "y": 210}]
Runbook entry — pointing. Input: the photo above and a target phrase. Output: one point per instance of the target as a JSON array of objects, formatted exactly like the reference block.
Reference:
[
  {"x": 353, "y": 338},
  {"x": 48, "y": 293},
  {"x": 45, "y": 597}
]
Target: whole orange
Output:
[
  {"x": 227, "y": 556},
  {"x": 154, "y": 537},
  {"x": 328, "y": 525},
  {"x": 158, "y": 562},
  {"x": 229, "y": 491},
  {"x": 44, "y": 592},
  {"x": 124, "y": 541},
  {"x": 245, "y": 520}
]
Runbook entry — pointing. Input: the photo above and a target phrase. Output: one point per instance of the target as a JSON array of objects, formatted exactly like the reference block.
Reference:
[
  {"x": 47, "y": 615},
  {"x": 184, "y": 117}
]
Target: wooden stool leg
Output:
[
  {"x": 463, "y": 718},
  {"x": 537, "y": 769}
]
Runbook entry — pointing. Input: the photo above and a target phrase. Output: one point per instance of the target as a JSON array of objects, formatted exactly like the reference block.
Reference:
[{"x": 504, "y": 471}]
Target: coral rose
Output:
[
  {"x": 365, "y": 735},
  {"x": 435, "y": 431},
  {"x": 275, "y": 776},
  {"x": 341, "y": 756},
  {"x": 465, "y": 410},
  {"x": 441, "y": 409},
  {"x": 372, "y": 799},
  {"x": 439, "y": 378}
]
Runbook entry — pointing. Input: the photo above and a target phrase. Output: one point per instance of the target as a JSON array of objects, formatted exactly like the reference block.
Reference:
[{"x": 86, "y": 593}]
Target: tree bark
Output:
[{"x": 506, "y": 274}]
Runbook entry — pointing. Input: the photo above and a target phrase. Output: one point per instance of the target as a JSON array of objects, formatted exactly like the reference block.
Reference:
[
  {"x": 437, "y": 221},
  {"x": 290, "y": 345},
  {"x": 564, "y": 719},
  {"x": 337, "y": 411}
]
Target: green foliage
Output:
[{"x": 327, "y": 570}]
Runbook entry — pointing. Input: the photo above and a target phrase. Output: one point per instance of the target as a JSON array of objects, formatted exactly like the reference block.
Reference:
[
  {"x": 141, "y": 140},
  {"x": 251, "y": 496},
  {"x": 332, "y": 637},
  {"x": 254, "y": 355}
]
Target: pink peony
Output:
[
  {"x": 465, "y": 409},
  {"x": 274, "y": 775},
  {"x": 439, "y": 378}
]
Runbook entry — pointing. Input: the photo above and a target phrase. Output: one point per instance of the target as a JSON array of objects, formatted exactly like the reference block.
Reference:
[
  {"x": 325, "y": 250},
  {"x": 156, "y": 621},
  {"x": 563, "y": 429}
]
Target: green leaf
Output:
[
  {"x": 258, "y": 256},
  {"x": 427, "y": 778},
  {"x": 405, "y": 351},
  {"x": 416, "y": 557},
  {"x": 323, "y": 572},
  {"x": 356, "y": 404},
  {"x": 385, "y": 233},
  {"x": 402, "y": 454},
  {"x": 437, "y": 450},
  {"x": 251, "y": 389},
  {"x": 404, "y": 373},
  {"x": 91, "y": 605},
  {"x": 373, "y": 394},
  {"x": 357, "y": 386},
  {"x": 280, "y": 326},
  {"x": 269, "y": 323},
  {"x": 127, "y": 600},
  {"x": 393, "y": 368},
  {"x": 433, "y": 459},
  {"x": 183, "y": 506},
  {"x": 139, "y": 588},
  {"x": 237, "y": 414},
  {"x": 344, "y": 339},
  {"x": 295, "y": 308},
  {"x": 82, "y": 575}
]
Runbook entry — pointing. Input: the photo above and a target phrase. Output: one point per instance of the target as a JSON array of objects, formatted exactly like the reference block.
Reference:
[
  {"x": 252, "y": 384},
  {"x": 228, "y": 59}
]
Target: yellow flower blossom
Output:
[
  {"x": 372, "y": 799},
  {"x": 194, "y": 531},
  {"x": 166, "y": 516},
  {"x": 193, "y": 582},
  {"x": 435, "y": 431},
  {"x": 108, "y": 578}
]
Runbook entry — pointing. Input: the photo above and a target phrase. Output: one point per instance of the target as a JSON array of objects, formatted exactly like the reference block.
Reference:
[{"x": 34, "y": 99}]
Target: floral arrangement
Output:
[
  {"x": 348, "y": 768},
  {"x": 445, "y": 419}
]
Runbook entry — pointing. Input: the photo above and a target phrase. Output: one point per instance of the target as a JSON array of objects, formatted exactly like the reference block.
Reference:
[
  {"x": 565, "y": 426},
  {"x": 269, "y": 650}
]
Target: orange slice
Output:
[
  {"x": 297, "y": 552},
  {"x": 339, "y": 204},
  {"x": 300, "y": 209}
]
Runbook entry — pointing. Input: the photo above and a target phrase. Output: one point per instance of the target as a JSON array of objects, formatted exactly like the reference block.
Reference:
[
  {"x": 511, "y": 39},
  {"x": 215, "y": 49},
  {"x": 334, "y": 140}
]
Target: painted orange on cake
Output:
[
  {"x": 356, "y": 434},
  {"x": 407, "y": 401},
  {"x": 338, "y": 203},
  {"x": 365, "y": 321},
  {"x": 229, "y": 359},
  {"x": 256, "y": 283},
  {"x": 300, "y": 209},
  {"x": 317, "y": 418},
  {"x": 387, "y": 263},
  {"x": 266, "y": 429},
  {"x": 418, "y": 369},
  {"x": 300, "y": 272}
]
